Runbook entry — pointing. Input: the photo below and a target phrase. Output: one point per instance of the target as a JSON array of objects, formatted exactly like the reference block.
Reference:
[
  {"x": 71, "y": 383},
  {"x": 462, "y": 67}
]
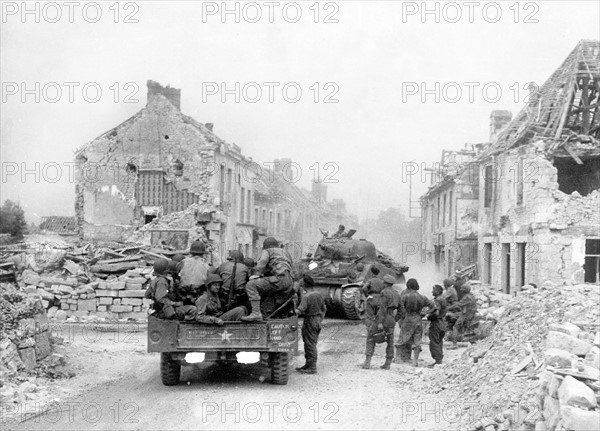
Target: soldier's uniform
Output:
[
  {"x": 386, "y": 315},
  {"x": 371, "y": 311},
  {"x": 275, "y": 287},
  {"x": 450, "y": 293},
  {"x": 193, "y": 272},
  {"x": 242, "y": 273},
  {"x": 210, "y": 309},
  {"x": 437, "y": 327},
  {"x": 166, "y": 304},
  {"x": 312, "y": 308},
  {"x": 411, "y": 331}
]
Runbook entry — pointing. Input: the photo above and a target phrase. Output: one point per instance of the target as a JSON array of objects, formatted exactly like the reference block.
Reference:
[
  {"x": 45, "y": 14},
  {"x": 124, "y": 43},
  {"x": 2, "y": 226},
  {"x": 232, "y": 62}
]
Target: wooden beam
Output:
[{"x": 572, "y": 154}]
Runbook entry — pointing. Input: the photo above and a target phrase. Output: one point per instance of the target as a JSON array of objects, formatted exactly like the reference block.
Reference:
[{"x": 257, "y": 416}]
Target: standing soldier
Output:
[
  {"x": 461, "y": 314},
  {"x": 193, "y": 270},
  {"x": 272, "y": 284},
  {"x": 437, "y": 326},
  {"x": 411, "y": 332},
  {"x": 312, "y": 308},
  {"x": 165, "y": 303},
  {"x": 450, "y": 292},
  {"x": 371, "y": 308},
  {"x": 386, "y": 317}
]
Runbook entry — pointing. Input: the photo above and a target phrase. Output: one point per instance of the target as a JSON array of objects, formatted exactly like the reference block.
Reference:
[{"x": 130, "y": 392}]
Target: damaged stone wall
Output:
[
  {"x": 159, "y": 137},
  {"x": 528, "y": 207}
]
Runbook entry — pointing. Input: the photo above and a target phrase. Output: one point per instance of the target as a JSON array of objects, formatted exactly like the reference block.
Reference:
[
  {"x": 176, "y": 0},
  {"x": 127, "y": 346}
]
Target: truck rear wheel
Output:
[
  {"x": 280, "y": 363},
  {"x": 351, "y": 302},
  {"x": 169, "y": 370}
]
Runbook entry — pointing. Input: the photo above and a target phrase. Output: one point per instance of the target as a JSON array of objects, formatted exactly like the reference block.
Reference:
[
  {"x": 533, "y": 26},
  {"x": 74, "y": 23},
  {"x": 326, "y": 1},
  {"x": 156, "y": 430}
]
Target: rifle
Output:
[{"x": 232, "y": 285}]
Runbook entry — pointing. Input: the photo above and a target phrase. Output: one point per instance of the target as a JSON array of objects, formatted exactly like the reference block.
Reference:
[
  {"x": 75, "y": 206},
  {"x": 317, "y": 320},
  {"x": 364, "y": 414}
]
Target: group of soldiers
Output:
[
  {"x": 189, "y": 289},
  {"x": 451, "y": 311}
]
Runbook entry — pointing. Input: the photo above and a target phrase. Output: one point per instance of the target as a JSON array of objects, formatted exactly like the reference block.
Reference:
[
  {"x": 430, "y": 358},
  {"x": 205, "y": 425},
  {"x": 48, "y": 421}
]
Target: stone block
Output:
[
  {"x": 574, "y": 393},
  {"x": 87, "y": 305},
  {"x": 105, "y": 300},
  {"x": 91, "y": 295},
  {"x": 117, "y": 301},
  {"x": 121, "y": 308},
  {"x": 72, "y": 301},
  {"x": 83, "y": 296},
  {"x": 30, "y": 290},
  {"x": 135, "y": 280},
  {"x": 45, "y": 294},
  {"x": 73, "y": 307},
  {"x": 27, "y": 327},
  {"x": 27, "y": 356},
  {"x": 75, "y": 296},
  {"x": 41, "y": 322},
  {"x": 115, "y": 285},
  {"x": 578, "y": 419},
  {"x": 139, "y": 293},
  {"x": 565, "y": 328},
  {"x": 560, "y": 340},
  {"x": 107, "y": 293},
  {"x": 10, "y": 357},
  {"x": 594, "y": 357},
  {"x": 42, "y": 345},
  {"x": 551, "y": 407},
  {"x": 61, "y": 315},
  {"x": 65, "y": 289},
  {"x": 146, "y": 301},
  {"x": 559, "y": 358},
  {"x": 137, "y": 308},
  {"x": 131, "y": 301},
  {"x": 64, "y": 305},
  {"x": 135, "y": 286},
  {"x": 81, "y": 313},
  {"x": 45, "y": 303},
  {"x": 555, "y": 383},
  {"x": 52, "y": 312},
  {"x": 102, "y": 308}
]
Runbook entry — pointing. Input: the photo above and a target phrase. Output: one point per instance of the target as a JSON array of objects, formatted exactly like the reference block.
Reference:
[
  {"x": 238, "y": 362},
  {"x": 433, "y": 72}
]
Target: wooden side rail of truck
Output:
[{"x": 273, "y": 341}]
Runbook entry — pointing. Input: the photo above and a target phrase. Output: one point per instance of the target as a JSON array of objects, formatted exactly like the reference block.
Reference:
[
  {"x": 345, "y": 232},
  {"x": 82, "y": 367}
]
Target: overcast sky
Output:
[{"x": 370, "y": 57}]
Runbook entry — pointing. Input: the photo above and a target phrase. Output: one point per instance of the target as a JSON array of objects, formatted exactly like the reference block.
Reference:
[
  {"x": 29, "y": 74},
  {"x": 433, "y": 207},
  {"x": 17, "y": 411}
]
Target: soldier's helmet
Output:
[
  {"x": 466, "y": 288},
  {"x": 236, "y": 255},
  {"x": 270, "y": 242},
  {"x": 197, "y": 247},
  {"x": 388, "y": 279},
  {"x": 161, "y": 265},
  {"x": 376, "y": 285},
  {"x": 178, "y": 257},
  {"x": 213, "y": 278},
  {"x": 173, "y": 266}
]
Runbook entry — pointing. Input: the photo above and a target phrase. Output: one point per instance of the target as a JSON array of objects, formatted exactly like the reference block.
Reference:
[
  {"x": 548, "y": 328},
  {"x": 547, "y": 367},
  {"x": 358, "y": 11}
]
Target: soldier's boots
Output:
[
  {"x": 387, "y": 364},
  {"x": 308, "y": 369},
  {"x": 256, "y": 315},
  {"x": 415, "y": 360},
  {"x": 367, "y": 364},
  {"x": 303, "y": 367}
]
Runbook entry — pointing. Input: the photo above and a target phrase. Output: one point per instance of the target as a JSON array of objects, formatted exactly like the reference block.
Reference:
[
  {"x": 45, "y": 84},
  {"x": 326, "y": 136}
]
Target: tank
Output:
[{"x": 339, "y": 269}]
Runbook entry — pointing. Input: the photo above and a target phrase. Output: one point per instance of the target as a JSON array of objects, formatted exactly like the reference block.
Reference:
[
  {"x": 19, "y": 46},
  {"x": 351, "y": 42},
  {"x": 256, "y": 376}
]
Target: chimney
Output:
[
  {"x": 209, "y": 126},
  {"x": 499, "y": 119},
  {"x": 319, "y": 191},
  {"x": 172, "y": 94}
]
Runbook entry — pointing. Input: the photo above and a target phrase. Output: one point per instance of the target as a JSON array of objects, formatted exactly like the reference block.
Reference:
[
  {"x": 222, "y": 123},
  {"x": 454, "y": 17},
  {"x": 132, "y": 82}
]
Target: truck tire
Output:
[
  {"x": 351, "y": 302},
  {"x": 280, "y": 364},
  {"x": 169, "y": 370}
]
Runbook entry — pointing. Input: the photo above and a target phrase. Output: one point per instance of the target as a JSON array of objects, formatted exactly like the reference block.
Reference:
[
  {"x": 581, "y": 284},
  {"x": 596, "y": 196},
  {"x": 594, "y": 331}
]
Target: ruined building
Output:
[
  {"x": 539, "y": 206},
  {"x": 159, "y": 162}
]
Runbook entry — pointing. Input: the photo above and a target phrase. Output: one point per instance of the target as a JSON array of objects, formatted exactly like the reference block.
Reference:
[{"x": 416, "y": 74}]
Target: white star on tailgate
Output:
[{"x": 225, "y": 336}]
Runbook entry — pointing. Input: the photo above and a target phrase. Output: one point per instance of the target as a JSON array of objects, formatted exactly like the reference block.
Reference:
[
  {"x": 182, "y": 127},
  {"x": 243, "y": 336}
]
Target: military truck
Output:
[
  {"x": 340, "y": 267},
  {"x": 270, "y": 342}
]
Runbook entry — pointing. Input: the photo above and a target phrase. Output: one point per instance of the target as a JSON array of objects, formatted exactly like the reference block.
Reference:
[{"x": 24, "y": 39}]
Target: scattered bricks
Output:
[
  {"x": 101, "y": 285},
  {"x": 87, "y": 305},
  {"x": 135, "y": 286},
  {"x": 551, "y": 407},
  {"x": 45, "y": 303},
  {"x": 102, "y": 308},
  {"x": 74, "y": 296},
  {"x": 28, "y": 357},
  {"x": 146, "y": 301},
  {"x": 121, "y": 308},
  {"x": 559, "y": 358},
  {"x": 574, "y": 393},
  {"x": 115, "y": 285},
  {"x": 83, "y": 296},
  {"x": 117, "y": 301},
  {"x": 61, "y": 315},
  {"x": 578, "y": 419},
  {"x": 134, "y": 316},
  {"x": 91, "y": 295},
  {"x": 559, "y": 340},
  {"x": 135, "y": 280},
  {"x": 137, "y": 308},
  {"x": 81, "y": 313},
  {"x": 555, "y": 383},
  {"x": 72, "y": 307},
  {"x": 72, "y": 301},
  {"x": 27, "y": 327},
  {"x": 105, "y": 301},
  {"x": 52, "y": 312},
  {"x": 107, "y": 293},
  {"x": 132, "y": 293},
  {"x": 64, "y": 306},
  {"x": 45, "y": 294},
  {"x": 131, "y": 301}
]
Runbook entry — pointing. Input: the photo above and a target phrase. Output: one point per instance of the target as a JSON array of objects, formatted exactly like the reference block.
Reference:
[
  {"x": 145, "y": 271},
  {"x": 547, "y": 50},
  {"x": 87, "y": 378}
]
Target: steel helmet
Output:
[
  {"x": 270, "y": 242},
  {"x": 213, "y": 278},
  {"x": 173, "y": 266},
  {"x": 236, "y": 255},
  {"x": 161, "y": 265},
  {"x": 178, "y": 257},
  {"x": 376, "y": 285},
  {"x": 198, "y": 247},
  {"x": 388, "y": 279}
]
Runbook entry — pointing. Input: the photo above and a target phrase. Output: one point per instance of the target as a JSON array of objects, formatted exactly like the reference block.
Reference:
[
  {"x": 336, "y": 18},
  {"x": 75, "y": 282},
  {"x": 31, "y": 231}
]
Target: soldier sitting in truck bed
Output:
[
  {"x": 209, "y": 306},
  {"x": 233, "y": 290},
  {"x": 166, "y": 303}
]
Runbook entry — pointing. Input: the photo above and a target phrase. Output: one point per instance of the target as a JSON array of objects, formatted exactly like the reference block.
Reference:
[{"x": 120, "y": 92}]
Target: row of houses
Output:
[
  {"x": 525, "y": 207},
  {"x": 160, "y": 162}
]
